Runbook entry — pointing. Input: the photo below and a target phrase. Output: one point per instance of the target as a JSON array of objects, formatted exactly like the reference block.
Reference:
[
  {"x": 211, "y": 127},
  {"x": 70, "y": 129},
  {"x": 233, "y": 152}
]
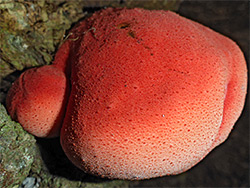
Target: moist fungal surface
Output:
[{"x": 150, "y": 93}]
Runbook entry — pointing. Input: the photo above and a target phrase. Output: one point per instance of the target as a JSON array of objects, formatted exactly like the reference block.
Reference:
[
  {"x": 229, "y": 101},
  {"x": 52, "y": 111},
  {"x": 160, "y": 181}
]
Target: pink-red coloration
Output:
[
  {"x": 152, "y": 93},
  {"x": 37, "y": 100}
]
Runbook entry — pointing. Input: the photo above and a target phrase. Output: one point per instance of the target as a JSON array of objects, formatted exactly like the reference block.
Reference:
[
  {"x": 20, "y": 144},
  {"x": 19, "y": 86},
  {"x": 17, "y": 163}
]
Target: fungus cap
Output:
[{"x": 152, "y": 93}]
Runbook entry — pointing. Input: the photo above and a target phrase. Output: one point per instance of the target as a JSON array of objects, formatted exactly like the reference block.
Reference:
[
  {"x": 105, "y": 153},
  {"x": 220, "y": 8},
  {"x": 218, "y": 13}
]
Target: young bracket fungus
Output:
[{"x": 150, "y": 93}]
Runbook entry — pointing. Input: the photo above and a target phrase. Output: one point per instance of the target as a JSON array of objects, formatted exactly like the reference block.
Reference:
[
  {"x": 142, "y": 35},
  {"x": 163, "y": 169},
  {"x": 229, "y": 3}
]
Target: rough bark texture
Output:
[{"x": 16, "y": 151}]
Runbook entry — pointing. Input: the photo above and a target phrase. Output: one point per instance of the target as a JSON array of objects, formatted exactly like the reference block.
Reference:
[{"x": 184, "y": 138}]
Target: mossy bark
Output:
[{"x": 16, "y": 151}]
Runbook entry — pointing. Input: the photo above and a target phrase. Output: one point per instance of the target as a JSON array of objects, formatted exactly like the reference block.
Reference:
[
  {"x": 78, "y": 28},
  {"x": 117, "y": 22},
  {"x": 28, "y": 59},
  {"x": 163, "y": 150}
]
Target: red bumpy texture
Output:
[{"x": 152, "y": 93}]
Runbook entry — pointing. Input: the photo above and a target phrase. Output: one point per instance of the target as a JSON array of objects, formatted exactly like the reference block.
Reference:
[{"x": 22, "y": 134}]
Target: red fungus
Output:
[
  {"x": 151, "y": 93},
  {"x": 37, "y": 100}
]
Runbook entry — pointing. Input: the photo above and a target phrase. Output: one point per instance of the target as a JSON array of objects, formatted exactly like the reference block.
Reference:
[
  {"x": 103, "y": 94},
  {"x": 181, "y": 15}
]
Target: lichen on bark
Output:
[
  {"x": 16, "y": 151},
  {"x": 30, "y": 31}
]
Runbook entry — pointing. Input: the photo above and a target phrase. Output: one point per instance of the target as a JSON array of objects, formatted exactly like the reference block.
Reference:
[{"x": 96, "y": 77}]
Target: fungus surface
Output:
[
  {"x": 151, "y": 93},
  {"x": 37, "y": 100}
]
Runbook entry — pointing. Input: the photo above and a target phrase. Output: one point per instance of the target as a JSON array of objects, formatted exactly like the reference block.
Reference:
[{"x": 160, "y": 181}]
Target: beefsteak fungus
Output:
[{"x": 150, "y": 93}]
